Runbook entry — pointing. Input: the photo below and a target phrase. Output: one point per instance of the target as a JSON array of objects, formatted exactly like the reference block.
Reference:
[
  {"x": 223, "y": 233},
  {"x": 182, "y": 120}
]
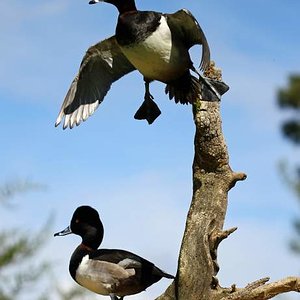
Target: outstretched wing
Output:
[
  {"x": 190, "y": 31},
  {"x": 102, "y": 64}
]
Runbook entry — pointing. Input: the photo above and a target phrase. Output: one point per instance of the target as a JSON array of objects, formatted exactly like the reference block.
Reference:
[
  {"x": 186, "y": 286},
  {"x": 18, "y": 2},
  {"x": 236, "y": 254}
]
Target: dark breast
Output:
[
  {"x": 134, "y": 27},
  {"x": 76, "y": 259}
]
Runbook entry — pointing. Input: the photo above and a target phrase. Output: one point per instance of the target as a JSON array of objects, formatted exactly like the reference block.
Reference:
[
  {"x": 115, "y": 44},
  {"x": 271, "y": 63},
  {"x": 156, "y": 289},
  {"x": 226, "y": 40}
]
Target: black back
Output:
[
  {"x": 146, "y": 271},
  {"x": 136, "y": 26}
]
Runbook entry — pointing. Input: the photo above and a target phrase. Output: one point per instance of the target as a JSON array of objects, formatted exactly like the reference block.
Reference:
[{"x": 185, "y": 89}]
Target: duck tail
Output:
[
  {"x": 169, "y": 276},
  {"x": 160, "y": 273},
  {"x": 185, "y": 90}
]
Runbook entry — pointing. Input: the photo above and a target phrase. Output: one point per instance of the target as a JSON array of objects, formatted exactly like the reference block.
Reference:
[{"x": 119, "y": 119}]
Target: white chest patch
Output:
[
  {"x": 155, "y": 57},
  {"x": 101, "y": 277}
]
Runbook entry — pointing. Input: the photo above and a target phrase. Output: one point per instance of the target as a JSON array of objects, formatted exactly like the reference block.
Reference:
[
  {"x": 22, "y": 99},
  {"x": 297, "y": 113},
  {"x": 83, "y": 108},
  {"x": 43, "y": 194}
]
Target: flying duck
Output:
[
  {"x": 156, "y": 44},
  {"x": 112, "y": 272}
]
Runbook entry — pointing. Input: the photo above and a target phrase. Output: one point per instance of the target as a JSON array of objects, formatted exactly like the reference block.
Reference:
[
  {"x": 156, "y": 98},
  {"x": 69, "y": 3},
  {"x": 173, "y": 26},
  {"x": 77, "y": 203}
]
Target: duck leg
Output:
[{"x": 148, "y": 110}]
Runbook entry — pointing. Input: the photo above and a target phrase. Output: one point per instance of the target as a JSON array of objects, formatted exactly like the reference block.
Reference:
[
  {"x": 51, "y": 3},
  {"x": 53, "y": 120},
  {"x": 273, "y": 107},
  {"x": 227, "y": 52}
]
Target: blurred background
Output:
[{"x": 138, "y": 176}]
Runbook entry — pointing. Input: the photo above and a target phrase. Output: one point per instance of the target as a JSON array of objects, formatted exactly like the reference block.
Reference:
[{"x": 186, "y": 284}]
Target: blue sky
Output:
[{"x": 139, "y": 176}]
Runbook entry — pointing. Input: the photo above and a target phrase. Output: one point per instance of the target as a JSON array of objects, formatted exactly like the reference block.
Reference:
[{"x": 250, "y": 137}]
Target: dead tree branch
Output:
[
  {"x": 212, "y": 179},
  {"x": 259, "y": 290}
]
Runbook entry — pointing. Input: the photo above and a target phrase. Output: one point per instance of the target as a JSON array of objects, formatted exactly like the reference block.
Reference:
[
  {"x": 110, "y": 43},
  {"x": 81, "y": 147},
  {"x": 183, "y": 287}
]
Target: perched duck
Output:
[
  {"x": 156, "y": 44},
  {"x": 112, "y": 272}
]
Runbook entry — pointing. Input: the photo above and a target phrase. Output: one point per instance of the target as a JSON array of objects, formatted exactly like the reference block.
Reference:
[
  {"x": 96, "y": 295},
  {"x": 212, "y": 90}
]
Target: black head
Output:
[
  {"x": 122, "y": 5},
  {"x": 86, "y": 223}
]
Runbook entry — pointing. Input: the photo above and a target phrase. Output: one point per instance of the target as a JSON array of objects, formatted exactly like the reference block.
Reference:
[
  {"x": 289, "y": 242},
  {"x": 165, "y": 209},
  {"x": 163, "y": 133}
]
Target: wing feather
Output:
[
  {"x": 102, "y": 64},
  {"x": 190, "y": 31}
]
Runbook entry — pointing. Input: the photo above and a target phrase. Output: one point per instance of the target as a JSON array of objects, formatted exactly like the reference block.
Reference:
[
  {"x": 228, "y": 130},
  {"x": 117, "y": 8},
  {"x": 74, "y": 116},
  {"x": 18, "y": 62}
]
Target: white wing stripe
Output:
[
  {"x": 79, "y": 113},
  {"x": 102, "y": 64}
]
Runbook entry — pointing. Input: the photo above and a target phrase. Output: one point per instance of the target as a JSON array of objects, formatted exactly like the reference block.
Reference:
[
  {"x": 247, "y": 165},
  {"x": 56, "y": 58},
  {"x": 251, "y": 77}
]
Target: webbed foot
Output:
[{"x": 148, "y": 110}]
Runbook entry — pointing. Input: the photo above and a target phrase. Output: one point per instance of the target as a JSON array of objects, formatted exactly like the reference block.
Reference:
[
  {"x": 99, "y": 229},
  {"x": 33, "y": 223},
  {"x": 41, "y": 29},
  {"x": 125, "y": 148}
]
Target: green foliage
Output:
[
  {"x": 76, "y": 293},
  {"x": 289, "y": 97},
  {"x": 291, "y": 129},
  {"x": 16, "y": 247},
  {"x": 11, "y": 188},
  {"x": 295, "y": 243},
  {"x": 21, "y": 269},
  {"x": 292, "y": 179},
  {"x": 17, "y": 271}
]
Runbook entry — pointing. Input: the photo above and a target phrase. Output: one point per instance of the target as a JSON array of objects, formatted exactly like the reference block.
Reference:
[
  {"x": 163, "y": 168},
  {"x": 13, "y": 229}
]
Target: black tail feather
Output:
[
  {"x": 169, "y": 276},
  {"x": 188, "y": 89},
  {"x": 207, "y": 93},
  {"x": 160, "y": 273},
  {"x": 185, "y": 90}
]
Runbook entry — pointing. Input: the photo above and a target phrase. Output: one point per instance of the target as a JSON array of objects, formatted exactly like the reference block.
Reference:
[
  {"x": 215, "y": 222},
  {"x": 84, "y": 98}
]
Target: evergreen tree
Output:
[
  {"x": 22, "y": 272},
  {"x": 289, "y": 98},
  {"x": 18, "y": 271}
]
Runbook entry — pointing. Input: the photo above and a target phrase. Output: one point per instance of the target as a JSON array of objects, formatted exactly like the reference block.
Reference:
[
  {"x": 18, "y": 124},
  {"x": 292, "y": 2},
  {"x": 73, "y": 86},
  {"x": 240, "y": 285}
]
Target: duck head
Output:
[
  {"x": 87, "y": 224},
  {"x": 121, "y": 5}
]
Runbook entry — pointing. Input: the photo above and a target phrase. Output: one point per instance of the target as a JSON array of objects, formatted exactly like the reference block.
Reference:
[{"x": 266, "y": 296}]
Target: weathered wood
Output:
[
  {"x": 212, "y": 179},
  {"x": 259, "y": 290}
]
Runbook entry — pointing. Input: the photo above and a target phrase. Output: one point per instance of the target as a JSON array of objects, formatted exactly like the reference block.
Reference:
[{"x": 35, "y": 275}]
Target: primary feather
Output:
[{"x": 102, "y": 64}]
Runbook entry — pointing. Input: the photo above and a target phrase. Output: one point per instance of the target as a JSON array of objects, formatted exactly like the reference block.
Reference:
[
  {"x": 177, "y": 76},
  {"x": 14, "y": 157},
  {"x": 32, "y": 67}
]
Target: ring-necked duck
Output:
[
  {"x": 106, "y": 271},
  {"x": 156, "y": 44}
]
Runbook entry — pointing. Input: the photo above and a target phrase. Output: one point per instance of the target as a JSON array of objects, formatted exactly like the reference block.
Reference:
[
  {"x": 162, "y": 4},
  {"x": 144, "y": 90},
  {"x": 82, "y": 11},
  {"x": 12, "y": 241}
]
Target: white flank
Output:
[
  {"x": 156, "y": 57},
  {"x": 99, "y": 276}
]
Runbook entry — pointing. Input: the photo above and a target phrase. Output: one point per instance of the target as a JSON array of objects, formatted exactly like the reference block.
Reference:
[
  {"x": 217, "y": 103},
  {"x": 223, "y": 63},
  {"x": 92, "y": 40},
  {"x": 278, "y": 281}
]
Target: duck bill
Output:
[
  {"x": 64, "y": 232},
  {"x": 95, "y": 1}
]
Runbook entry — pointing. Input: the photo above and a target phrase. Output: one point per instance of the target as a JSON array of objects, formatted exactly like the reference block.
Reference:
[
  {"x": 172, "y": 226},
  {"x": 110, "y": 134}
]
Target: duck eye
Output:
[{"x": 77, "y": 221}]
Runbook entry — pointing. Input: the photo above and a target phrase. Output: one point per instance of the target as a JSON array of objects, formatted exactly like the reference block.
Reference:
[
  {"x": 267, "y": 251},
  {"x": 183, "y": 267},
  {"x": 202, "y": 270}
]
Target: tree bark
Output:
[{"x": 212, "y": 179}]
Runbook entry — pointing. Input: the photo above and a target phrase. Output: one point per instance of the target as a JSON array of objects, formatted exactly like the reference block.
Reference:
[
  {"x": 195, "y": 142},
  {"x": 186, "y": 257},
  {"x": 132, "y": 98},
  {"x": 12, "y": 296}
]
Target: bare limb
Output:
[
  {"x": 212, "y": 179},
  {"x": 259, "y": 290}
]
